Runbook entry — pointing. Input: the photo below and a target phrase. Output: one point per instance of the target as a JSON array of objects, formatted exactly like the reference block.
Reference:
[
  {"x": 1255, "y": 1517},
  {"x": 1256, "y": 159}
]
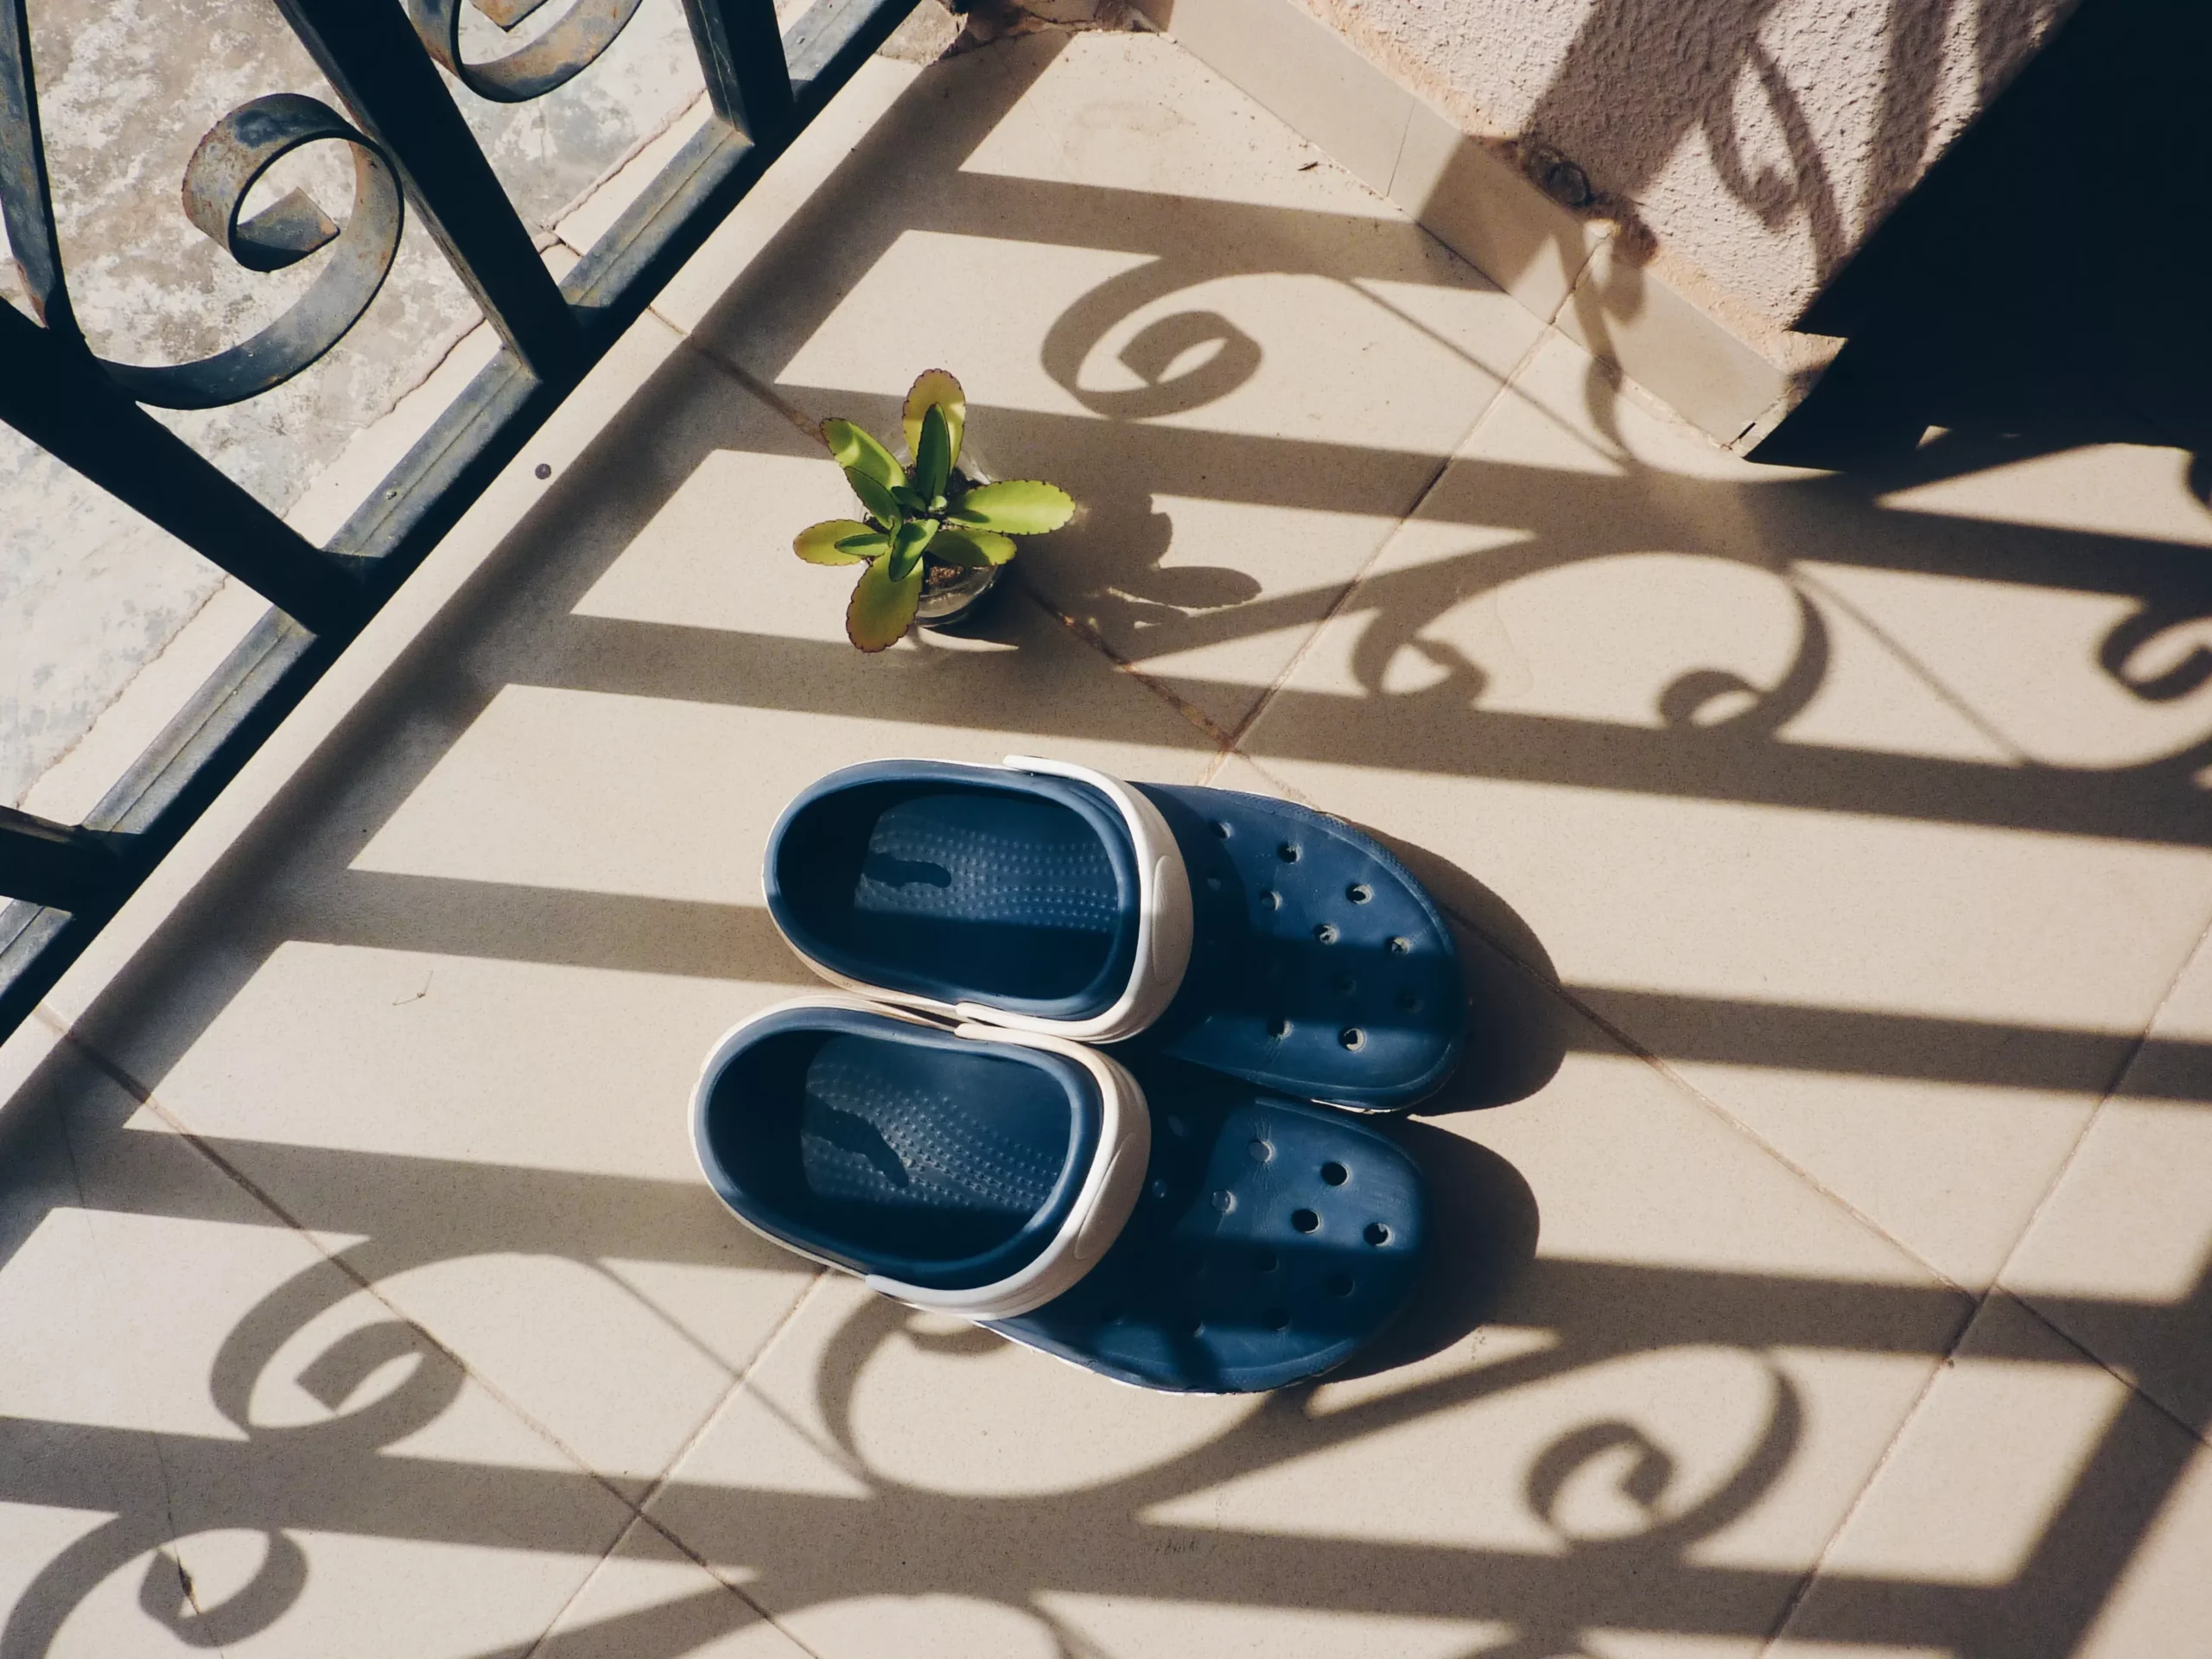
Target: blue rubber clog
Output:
[
  {"x": 1274, "y": 1240},
  {"x": 1210, "y": 1239},
  {"x": 1241, "y": 933}
]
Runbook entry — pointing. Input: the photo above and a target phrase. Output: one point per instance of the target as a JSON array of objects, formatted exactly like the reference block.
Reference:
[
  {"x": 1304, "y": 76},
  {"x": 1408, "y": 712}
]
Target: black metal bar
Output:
[
  {"x": 55, "y": 864},
  {"x": 201, "y": 750},
  {"x": 55, "y": 397},
  {"x": 832, "y": 39},
  {"x": 162, "y": 793},
  {"x": 24, "y": 205},
  {"x": 741, "y": 54},
  {"x": 369, "y": 51}
]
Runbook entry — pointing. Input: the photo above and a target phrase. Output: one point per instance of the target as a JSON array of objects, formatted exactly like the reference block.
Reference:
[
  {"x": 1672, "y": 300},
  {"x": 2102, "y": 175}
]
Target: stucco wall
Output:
[{"x": 1757, "y": 141}]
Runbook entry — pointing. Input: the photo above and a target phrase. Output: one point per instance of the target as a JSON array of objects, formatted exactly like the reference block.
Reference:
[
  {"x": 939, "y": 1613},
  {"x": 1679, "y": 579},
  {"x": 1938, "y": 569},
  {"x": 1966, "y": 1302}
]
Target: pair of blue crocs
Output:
[{"x": 1069, "y": 1091}]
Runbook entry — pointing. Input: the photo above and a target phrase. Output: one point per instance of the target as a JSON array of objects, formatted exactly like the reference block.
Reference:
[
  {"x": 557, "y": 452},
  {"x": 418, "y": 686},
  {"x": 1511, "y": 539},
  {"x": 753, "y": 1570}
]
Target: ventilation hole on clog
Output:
[
  {"x": 1198, "y": 1327},
  {"x": 1352, "y": 1038},
  {"x": 1213, "y": 884},
  {"x": 1271, "y": 900},
  {"x": 1304, "y": 1220},
  {"x": 1288, "y": 852},
  {"x": 1327, "y": 933},
  {"x": 1278, "y": 1027},
  {"x": 1260, "y": 1151},
  {"x": 1223, "y": 830},
  {"x": 1409, "y": 1001},
  {"x": 1359, "y": 893},
  {"x": 1177, "y": 1127},
  {"x": 1337, "y": 1284},
  {"x": 1335, "y": 1173},
  {"x": 1263, "y": 1261},
  {"x": 1375, "y": 1233},
  {"x": 1160, "y": 1189},
  {"x": 1276, "y": 1319},
  {"x": 1400, "y": 947},
  {"x": 1346, "y": 985},
  {"x": 1223, "y": 1200}
]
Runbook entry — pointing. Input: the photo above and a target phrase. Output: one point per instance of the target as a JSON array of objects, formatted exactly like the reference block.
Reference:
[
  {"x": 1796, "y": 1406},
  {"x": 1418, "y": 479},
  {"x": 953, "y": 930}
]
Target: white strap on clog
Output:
[
  {"x": 1163, "y": 952},
  {"x": 1109, "y": 1193},
  {"x": 1164, "y": 928},
  {"x": 1101, "y": 1207}
]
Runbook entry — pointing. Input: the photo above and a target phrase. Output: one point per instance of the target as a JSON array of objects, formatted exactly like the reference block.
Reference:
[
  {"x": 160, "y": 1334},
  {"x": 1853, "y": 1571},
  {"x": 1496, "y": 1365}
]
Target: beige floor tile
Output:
[
  {"x": 1662, "y": 1422},
  {"x": 2034, "y": 1505},
  {"x": 1828, "y": 803},
  {"x": 2120, "y": 1256},
  {"x": 1243, "y": 363},
  {"x": 213, "y": 1437},
  {"x": 452, "y": 1022},
  {"x": 1304, "y": 71},
  {"x": 648, "y": 1598}
]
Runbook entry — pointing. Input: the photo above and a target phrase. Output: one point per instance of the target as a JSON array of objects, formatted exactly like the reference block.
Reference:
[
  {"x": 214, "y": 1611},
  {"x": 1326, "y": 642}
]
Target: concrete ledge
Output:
[
  {"x": 1562, "y": 267},
  {"x": 1630, "y": 315}
]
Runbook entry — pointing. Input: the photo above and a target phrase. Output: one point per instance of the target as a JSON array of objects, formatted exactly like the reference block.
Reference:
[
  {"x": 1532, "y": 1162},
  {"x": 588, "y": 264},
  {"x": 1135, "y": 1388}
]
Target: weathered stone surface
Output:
[{"x": 88, "y": 591}]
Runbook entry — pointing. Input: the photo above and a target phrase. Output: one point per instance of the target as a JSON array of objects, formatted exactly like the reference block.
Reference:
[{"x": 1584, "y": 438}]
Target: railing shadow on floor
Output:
[
  {"x": 293, "y": 877},
  {"x": 1105, "y": 1539}
]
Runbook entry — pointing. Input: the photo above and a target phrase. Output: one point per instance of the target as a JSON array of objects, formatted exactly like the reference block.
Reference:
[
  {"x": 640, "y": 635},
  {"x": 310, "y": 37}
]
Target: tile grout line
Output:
[
  {"x": 660, "y": 1484},
  {"x": 744, "y": 377},
  {"x": 1208, "y": 727},
  {"x": 2073, "y": 1152},
  {"x": 1659, "y": 1064},
  {"x": 123, "y": 1079},
  {"x": 706, "y": 1424},
  {"x": 2202, "y": 1435},
  {"x": 1803, "y": 1588},
  {"x": 1490, "y": 405},
  {"x": 176, "y": 1533},
  {"x": 1978, "y": 1301},
  {"x": 2119, "y": 1076},
  {"x": 1638, "y": 1051}
]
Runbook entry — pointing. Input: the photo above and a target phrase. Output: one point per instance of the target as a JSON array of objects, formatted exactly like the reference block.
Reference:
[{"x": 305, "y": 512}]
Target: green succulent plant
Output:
[{"x": 932, "y": 515}]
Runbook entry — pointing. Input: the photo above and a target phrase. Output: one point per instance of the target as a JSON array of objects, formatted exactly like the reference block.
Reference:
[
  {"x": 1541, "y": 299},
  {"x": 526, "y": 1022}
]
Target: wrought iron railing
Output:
[{"x": 412, "y": 151}]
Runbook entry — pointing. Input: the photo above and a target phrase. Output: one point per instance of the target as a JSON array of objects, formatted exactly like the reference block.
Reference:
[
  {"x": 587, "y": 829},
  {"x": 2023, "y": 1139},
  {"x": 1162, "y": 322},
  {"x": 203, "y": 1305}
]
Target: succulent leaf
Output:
[
  {"x": 937, "y": 389},
  {"x": 933, "y": 456},
  {"x": 907, "y": 544},
  {"x": 882, "y": 608},
  {"x": 1017, "y": 507},
  {"x": 875, "y": 497},
  {"x": 971, "y": 547},
  {"x": 854, "y": 450},
  {"x": 867, "y": 543},
  {"x": 823, "y": 543}
]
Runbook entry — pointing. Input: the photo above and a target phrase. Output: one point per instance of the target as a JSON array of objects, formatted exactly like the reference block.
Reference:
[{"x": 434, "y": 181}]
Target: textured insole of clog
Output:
[
  {"x": 995, "y": 892},
  {"x": 1320, "y": 967},
  {"x": 927, "y": 1154},
  {"x": 1274, "y": 1240}
]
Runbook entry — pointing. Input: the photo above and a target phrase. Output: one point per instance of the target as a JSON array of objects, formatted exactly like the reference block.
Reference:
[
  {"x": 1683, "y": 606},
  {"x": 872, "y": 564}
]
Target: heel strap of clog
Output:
[
  {"x": 1102, "y": 1208},
  {"x": 1163, "y": 923}
]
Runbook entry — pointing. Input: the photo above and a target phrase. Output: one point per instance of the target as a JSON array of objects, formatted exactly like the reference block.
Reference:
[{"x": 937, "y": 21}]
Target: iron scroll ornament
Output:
[
  {"x": 241, "y": 147},
  {"x": 563, "y": 51},
  {"x": 228, "y": 162}
]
